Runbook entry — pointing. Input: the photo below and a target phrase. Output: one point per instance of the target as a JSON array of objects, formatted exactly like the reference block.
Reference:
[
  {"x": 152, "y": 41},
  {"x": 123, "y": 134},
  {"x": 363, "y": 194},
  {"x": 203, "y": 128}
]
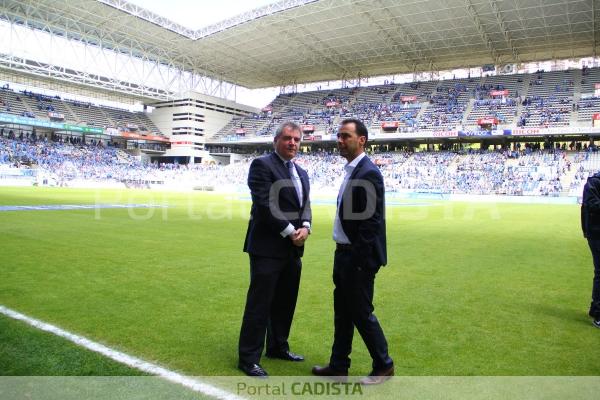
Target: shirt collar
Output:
[
  {"x": 284, "y": 161},
  {"x": 349, "y": 167}
]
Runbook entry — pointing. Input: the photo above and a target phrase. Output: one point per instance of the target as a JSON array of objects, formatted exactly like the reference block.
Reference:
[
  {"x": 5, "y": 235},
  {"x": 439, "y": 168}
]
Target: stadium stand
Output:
[
  {"x": 504, "y": 109},
  {"x": 35, "y": 105},
  {"x": 585, "y": 165},
  {"x": 541, "y": 99},
  {"x": 549, "y": 99},
  {"x": 530, "y": 171}
]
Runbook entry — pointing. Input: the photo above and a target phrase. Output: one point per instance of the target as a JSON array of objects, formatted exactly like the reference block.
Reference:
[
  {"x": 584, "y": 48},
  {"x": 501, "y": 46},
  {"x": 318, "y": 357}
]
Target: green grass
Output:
[
  {"x": 470, "y": 289},
  {"x": 28, "y": 351}
]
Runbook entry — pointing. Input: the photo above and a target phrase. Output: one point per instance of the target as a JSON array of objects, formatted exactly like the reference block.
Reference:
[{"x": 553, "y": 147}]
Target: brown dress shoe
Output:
[
  {"x": 377, "y": 377},
  {"x": 328, "y": 371}
]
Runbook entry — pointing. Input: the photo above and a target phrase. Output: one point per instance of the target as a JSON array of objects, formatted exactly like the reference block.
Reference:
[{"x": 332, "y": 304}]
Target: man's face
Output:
[
  {"x": 348, "y": 142},
  {"x": 287, "y": 143}
]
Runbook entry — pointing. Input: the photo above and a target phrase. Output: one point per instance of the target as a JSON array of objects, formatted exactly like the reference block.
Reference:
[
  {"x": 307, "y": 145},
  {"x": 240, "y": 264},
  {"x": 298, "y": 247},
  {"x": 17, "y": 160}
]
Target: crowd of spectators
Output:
[
  {"x": 530, "y": 171},
  {"x": 549, "y": 110},
  {"x": 536, "y": 173},
  {"x": 30, "y": 104},
  {"x": 446, "y": 108},
  {"x": 549, "y": 100},
  {"x": 586, "y": 164}
]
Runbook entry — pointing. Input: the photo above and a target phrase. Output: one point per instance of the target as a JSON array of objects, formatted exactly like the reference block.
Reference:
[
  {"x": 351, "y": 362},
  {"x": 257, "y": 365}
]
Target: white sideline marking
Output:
[{"x": 123, "y": 358}]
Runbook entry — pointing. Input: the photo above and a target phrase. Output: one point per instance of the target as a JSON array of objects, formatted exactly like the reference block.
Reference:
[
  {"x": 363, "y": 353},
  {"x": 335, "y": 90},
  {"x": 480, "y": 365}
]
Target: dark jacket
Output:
[
  {"x": 274, "y": 206},
  {"x": 590, "y": 208},
  {"x": 365, "y": 224}
]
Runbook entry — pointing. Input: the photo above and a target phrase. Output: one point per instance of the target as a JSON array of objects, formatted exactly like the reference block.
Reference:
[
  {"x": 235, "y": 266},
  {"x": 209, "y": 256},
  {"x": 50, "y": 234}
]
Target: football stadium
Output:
[{"x": 126, "y": 144}]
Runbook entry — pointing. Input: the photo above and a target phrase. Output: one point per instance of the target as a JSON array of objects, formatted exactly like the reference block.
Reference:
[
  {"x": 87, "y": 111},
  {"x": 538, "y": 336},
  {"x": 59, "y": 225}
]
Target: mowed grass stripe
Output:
[
  {"x": 25, "y": 350},
  {"x": 470, "y": 289},
  {"x": 27, "y": 345}
]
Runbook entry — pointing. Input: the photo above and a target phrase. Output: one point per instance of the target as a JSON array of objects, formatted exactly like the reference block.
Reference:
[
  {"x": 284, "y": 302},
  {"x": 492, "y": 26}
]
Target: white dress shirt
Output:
[
  {"x": 339, "y": 236},
  {"x": 296, "y": 178}
]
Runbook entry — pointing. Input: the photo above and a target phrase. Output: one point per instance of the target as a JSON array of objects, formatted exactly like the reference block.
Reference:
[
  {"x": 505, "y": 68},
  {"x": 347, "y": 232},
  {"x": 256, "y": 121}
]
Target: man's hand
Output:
[{"x": 299, "y": 236}]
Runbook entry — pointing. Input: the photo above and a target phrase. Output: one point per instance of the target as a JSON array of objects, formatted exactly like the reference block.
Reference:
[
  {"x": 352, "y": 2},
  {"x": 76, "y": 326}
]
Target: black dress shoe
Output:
[
  {"x": 327, "y": 371},
  {"x": 285, "y": 355},
  {"x": 378, "y": 376},
  {"x": 253, "y": 370}
]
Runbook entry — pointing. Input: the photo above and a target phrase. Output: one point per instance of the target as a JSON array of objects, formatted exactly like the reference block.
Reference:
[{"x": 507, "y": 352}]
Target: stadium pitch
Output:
[{"x": 471, "y": 288}]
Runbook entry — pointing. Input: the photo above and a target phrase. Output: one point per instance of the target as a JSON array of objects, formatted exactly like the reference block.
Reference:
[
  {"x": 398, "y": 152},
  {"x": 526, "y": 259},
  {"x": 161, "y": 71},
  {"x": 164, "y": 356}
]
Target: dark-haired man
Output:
[
  {"x": 279, "y": 225},
  {"x": 359, "y": 233}
]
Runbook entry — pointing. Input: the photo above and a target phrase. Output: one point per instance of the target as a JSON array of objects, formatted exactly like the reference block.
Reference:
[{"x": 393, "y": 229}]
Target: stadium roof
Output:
[{"x": 300, "y": 41}]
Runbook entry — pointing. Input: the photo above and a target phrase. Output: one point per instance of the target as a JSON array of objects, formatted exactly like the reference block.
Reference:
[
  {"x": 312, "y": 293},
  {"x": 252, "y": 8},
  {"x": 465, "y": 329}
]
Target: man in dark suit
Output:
[
  {"x": 359, "y": 233},
  {"x": 590, "y": 224},
  {"x": 279, "y": 224}
]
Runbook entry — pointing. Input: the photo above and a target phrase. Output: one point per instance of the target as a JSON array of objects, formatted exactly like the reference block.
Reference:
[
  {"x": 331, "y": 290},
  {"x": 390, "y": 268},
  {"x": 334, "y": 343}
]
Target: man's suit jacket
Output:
[
  {"x": 590, "y": 208},
  {"x": 275, "y": 205},
  {"x": 362, "y": 214}
]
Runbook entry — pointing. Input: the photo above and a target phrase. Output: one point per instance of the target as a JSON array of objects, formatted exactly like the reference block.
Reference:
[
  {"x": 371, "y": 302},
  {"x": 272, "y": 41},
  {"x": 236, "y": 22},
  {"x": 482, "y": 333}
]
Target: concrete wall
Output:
[{"x": 189, "y": 121}]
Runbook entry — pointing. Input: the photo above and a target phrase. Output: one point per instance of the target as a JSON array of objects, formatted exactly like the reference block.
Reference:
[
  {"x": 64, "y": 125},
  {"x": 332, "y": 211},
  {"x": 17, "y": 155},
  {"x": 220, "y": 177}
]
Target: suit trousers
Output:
[
  {"x": 353, "y": 307},
  {"x": 270, "y": 306},
  {"x": 595, "y": 305}
]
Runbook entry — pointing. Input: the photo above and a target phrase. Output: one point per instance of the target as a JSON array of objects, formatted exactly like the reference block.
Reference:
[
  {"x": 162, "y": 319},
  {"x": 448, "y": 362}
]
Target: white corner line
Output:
[{"x": 130, "y": 361}]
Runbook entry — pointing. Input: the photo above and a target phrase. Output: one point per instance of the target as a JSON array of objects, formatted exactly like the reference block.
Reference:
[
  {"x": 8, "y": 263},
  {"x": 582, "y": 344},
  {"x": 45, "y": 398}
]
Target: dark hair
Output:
[
  {"x": 288, "y": 124},
  {"x": 361, "y": 129}
]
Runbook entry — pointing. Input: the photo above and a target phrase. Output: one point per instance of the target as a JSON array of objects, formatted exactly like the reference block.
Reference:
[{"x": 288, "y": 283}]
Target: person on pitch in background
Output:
[
  {"x": 280, "y": 222},
  {"x": 590, "y": 224}
]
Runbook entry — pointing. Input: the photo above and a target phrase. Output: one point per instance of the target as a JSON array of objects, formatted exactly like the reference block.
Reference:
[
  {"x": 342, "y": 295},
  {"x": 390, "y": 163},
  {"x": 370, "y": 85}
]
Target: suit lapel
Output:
[
  {"x": 279, "y": 165},
  {"x": 305, "y": 189},
  {"x": 348, "y": 187},
  {"x": 355, "y": 172},
  {"x": 285, "y": 173},
  {"x": 360, "y": 165},
  {"x": 303, "y": 183}
]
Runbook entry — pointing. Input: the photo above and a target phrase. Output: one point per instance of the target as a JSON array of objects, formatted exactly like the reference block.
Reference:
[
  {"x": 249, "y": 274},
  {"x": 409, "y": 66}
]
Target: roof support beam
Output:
[
  {"x": 140, "y": 12},
  {"x": 23, "y": 66},
  {"x": 594, "y": 31},
  {"x": 400, "y": 31},
  {"x": 328, "y": 54},
  {"x": 298, "y": 40},
  {"x": 94, "y": 66},
  {"x": 505, "y": 32},
  {"x": 486, "y": 40}
]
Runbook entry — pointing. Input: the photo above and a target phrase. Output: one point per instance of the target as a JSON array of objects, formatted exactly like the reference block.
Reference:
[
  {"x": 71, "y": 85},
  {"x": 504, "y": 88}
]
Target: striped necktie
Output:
[{"x": 295, "y": 179}]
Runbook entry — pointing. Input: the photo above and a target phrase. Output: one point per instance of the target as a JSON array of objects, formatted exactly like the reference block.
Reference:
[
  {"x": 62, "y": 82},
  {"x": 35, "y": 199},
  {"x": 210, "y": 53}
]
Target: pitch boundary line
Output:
[
  {"x": 67, "y": 207},
  {"x": 123, "y": 358}
]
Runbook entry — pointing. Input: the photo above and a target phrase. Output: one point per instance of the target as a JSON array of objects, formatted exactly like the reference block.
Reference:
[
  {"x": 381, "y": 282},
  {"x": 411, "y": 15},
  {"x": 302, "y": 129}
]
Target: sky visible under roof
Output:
[{"x": 196, "y": 14}]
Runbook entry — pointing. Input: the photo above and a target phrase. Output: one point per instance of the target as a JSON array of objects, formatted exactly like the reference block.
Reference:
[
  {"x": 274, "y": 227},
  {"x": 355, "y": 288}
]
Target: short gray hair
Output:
[{"x": 288, "y": 124}]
